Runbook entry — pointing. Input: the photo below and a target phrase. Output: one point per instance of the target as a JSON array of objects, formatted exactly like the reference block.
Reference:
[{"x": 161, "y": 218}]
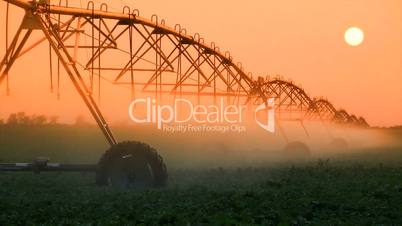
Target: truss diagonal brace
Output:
[
  {"x": 68, "y": 64},
  {"x": 12, "y": 52}
]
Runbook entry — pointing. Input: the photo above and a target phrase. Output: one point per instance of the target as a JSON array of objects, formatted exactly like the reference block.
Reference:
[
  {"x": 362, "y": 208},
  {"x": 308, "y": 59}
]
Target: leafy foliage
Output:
[{"x": 314, "y": 194}]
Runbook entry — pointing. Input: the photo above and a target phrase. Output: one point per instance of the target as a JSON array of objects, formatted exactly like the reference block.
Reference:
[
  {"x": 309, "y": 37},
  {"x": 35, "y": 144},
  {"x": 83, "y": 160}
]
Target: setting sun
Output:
[{"x": 354, "y": 36}]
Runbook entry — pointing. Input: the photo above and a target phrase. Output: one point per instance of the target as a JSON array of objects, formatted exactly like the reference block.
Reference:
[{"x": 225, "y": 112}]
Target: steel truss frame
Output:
[{"x": 168, "y": 60}]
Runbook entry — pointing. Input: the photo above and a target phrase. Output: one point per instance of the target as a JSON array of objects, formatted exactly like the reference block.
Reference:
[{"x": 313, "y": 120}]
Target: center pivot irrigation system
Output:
[{"x": 153, "y": 58}]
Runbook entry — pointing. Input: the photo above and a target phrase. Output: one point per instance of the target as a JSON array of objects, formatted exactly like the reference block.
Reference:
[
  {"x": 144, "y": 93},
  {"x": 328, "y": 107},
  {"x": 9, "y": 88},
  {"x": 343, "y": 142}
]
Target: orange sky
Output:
[{"x": 301, "y": 40}]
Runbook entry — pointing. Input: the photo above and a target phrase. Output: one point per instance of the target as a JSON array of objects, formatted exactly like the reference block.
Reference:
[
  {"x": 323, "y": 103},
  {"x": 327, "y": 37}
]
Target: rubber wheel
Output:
[
  {"x": 131, "y": 165},
  {"x": 339, "y": 144},
  {"x": 297, "y": 150}
]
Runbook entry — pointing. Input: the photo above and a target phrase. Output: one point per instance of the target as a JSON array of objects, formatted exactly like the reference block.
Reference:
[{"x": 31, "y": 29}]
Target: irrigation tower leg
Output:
[
  {"x": 68, "y": 63},
  {"x": 13, "y": 51},
  {"x": 304, "y": 128}
]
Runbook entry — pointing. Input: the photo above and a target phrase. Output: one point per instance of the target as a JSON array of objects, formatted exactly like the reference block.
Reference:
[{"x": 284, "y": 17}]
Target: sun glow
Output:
[{"x": 354, "y": 36}]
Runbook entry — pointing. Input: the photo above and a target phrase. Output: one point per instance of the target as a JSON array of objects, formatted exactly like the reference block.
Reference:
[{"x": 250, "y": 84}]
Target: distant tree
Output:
[
  {"x": 23, "y": 119},
  {"x": 81, "y": 121},
  {"x": 54, "y": 120},
  {"x": 39, "y": 120},
  {"x": 12, "y": 119},
  {"x": 32, "y": 120},
  {"x": 1, "y": 122}
]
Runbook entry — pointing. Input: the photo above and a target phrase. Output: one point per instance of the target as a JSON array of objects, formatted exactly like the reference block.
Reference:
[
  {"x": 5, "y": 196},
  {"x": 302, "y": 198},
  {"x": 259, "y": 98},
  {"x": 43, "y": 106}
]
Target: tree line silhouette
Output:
[{"x": 21, "y": 118}]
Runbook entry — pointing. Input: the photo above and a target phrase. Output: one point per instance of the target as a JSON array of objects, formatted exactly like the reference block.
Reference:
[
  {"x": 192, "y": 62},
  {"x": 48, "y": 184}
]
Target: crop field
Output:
[{"x": 359, "y": 188}]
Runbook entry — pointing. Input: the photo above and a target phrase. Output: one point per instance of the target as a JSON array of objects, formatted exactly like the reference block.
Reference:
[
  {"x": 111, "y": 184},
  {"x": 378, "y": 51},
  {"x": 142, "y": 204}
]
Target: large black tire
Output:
[
  {"x": 339, "y": 144},
  {"x": 297, "y": 150},
  {"x": 132, "y": 165}
]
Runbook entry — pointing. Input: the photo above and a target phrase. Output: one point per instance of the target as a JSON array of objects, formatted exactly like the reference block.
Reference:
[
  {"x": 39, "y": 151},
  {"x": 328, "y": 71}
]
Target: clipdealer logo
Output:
[
  {"x": 207, "y": 116},
  {"x": 270, "y": 109}
]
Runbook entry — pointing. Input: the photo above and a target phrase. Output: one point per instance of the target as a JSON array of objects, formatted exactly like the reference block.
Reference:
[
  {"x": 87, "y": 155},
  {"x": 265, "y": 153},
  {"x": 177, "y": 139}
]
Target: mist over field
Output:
[{"x": 255, "y": 147}]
